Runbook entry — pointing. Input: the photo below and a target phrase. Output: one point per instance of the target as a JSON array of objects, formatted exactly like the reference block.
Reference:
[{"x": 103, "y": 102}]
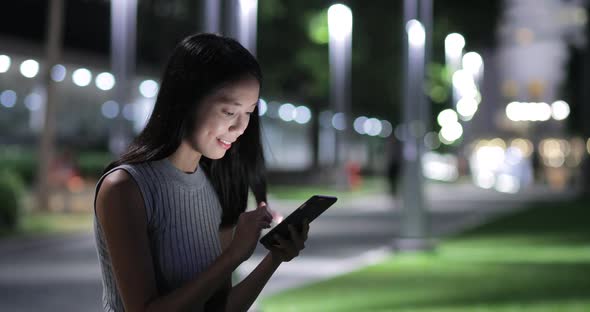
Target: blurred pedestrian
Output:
[
  {"x": 394, "y": 166},
  {"x": 170, "y": 222}
]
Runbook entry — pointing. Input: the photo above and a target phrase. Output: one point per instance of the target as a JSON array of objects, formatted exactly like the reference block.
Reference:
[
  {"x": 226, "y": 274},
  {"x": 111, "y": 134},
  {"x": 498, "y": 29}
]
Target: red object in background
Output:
[{"x": 353, "y": 170}]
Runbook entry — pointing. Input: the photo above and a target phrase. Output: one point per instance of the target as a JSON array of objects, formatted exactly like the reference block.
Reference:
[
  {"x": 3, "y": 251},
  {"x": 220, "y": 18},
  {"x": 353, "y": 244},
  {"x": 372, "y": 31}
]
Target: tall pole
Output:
[
  {"x": 242, "y": 18},
  {"x": 340, "y": 49},
  {"x": 426, "y": 18},
  {"x": 123, "y": 36},
  {"x": 414, "y": 231},
  {"x": 47, "y": 148},
  {"x": 211, "y": 11}
]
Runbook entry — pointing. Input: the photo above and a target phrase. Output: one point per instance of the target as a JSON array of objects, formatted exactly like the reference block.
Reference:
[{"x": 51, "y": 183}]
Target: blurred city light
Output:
[
  {"x": 431, "y": 140},
  {"x": 372, "y": 126},
  {"x": 287, "y": 112},
  {"x": 466, "y": 107},
  {"x": 454, "y": 44},
  {"x": 110, "y": 109},
  {"x": 525, "y": 146},
  {"x": 554, "y": 152},
  {"x": 359, "y": 124},
  {"x": 416, "y": 33},
  {"x": 302, "y": 115},
  {"x": 105, "y": 81},
  {"x": 386, "y": 129},
  {"x": 464, "y": 84},
  {"x": 128, "y": 112},
  {"x": 440, "y": 167},
  {"x": 82, "y": 77},
  {"x": 58, "y": 73},
  {"x": 507, "y": 183},
  {"x": 473, "y": 64},
  {"x": 560, "y": 110},
  {"x": 506, "y": 169},
  {"x": 148, "y": 88},
  {"x": 339, "y": 21},
  {"x": 29, "y": 68},
  {"x": 262, "y": 107},
  {"x": 4, "y": 63},
  {"x": 497, "y": 142},
  {"x": 522, "y": 111},
  {"x": 446, "y": 117},
  {"x": 451, "y": 132},
  {"x": 8, "y": 98},
  {"x": 338, "y": 121},
  {"x": 33, "y": 101}
]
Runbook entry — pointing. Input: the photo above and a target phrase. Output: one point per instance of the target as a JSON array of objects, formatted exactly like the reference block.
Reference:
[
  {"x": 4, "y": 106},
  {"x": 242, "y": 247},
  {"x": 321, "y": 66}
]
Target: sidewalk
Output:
[
  {"x": 61, "y": 272},
  {"x": 358, "y": 232}
]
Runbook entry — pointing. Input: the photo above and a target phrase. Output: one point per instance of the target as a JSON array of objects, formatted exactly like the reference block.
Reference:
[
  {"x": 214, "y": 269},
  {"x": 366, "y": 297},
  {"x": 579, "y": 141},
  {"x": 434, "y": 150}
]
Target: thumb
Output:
[{"x": 262, "y": 206}]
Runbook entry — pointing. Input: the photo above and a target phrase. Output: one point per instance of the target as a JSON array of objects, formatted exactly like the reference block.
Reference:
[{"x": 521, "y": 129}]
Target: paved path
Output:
[{"x": 61, "y": 273}]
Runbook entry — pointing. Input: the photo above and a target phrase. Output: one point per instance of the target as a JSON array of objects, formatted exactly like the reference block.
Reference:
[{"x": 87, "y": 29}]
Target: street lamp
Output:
[
  {"x": 454, "y": 44},
  {"x": 123, "y": 39},
  {"x": 340, "y": 48},
  {"x": 473, "y": 64},
  {"x": 248, "y": 14},
  {"x": 414, "y": 228},
  {"x": 211, "y": 13}
]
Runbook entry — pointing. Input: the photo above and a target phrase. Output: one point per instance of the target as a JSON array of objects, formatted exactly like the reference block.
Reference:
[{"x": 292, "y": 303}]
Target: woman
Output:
[{"x": 170, "y": 222}]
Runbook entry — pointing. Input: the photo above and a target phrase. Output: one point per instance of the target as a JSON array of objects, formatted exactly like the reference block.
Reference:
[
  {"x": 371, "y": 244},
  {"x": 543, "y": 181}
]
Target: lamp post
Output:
[
  {"x": 46, "y": 143},
  {"x": 340, "y": 48},
  {"x": 211, "y": 13},
  {"x": 414, "y": 230},
  {"x": 247, "y": 19},
  {"x": 123, "y": 36}
]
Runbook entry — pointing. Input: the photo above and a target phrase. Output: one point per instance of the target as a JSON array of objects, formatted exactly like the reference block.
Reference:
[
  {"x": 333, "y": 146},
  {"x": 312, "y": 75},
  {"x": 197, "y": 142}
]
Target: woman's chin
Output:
[{"x": 215, "y": 155}]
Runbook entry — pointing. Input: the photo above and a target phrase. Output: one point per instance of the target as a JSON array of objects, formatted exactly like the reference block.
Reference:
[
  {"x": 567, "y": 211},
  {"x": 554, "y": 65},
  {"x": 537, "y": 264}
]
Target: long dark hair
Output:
[{"x": 199, "y": 65}]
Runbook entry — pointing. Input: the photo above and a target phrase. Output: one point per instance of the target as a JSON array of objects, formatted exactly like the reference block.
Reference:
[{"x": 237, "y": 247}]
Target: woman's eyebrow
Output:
[{"x": 231, "y": 101}]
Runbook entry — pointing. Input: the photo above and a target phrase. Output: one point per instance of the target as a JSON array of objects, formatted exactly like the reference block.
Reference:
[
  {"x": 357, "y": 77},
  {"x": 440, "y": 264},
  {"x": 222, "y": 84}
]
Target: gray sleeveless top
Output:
[{"x": 183, "y": 219}]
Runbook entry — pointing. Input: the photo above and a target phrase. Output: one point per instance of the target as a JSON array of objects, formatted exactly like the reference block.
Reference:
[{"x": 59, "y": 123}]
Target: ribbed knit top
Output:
[{"x": 183, "y": 218}]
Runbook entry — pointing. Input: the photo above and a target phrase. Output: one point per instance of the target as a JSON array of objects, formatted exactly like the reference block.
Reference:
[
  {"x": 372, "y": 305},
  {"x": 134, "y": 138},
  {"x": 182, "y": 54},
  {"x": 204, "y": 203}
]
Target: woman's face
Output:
[{"x": 223, "y": 117}]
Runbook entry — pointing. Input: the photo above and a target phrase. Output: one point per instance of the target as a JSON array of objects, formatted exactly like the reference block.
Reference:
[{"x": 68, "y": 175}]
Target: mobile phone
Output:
[{"x": 310, "y": 210}]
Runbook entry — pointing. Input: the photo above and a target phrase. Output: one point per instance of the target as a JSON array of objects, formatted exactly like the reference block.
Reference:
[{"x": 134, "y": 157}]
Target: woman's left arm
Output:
[{"x": 243, "y": 295}]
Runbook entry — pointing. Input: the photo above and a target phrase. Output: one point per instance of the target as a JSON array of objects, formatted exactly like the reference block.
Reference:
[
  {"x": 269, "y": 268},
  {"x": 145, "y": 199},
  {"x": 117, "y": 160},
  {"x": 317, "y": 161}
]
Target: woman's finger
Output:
[
  {"x": 305, "y": 230},
  {"x": 285, "y": 243},
  {"x": 296, "y": 238},
  {"x": 263, "y": 208}
]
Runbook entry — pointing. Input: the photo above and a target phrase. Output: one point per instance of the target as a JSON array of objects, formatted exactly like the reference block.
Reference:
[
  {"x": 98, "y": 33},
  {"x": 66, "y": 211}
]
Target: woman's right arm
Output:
[{"x": 121, "y": 214}]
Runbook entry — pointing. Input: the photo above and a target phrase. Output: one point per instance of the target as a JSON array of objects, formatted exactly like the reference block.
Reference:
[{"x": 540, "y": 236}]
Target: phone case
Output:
[{"x": 310, "y": 209}]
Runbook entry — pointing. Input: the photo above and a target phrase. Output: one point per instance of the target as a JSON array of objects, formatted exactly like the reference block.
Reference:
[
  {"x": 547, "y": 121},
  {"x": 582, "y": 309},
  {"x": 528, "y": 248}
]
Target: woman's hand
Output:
[
  {"x": 247, "y": 232},
  {"x": 284, "y": 250}
]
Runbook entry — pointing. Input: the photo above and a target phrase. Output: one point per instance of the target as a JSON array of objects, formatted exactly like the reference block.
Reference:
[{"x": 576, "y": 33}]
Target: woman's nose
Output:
[{"x": 240, "y": 124}]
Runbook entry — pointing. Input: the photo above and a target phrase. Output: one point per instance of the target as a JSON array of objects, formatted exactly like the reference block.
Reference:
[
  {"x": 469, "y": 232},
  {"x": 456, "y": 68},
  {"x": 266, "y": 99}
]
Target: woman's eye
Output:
[{"x": 228, "y": 113}]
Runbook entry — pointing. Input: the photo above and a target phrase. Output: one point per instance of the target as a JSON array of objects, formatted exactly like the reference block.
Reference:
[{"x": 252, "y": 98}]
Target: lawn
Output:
[
  {"x": 369, "y": 185},
  {"x": 535, "y": 261},
  {"x": 40, "y": 223}
]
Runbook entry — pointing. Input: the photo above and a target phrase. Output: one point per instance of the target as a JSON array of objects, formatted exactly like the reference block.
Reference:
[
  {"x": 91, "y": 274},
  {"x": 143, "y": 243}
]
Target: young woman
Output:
[{"x": 170, "y": 222}]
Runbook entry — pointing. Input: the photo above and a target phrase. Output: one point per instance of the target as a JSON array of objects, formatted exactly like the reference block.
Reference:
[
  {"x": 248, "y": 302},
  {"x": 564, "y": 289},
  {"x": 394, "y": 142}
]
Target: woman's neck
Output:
[{"x": 185, "y": 158}]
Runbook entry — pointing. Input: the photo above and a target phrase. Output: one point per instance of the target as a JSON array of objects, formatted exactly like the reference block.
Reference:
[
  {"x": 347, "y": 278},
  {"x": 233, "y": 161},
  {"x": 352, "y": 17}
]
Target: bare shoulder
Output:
[{"x": 118, "y": 195}]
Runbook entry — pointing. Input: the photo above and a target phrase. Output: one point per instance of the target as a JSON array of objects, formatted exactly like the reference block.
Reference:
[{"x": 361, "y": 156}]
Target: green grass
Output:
[
  {"x": 372, "y": 185},
  {"x": 40, "y": 223},
  {"x": 537, "y": 260}
]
